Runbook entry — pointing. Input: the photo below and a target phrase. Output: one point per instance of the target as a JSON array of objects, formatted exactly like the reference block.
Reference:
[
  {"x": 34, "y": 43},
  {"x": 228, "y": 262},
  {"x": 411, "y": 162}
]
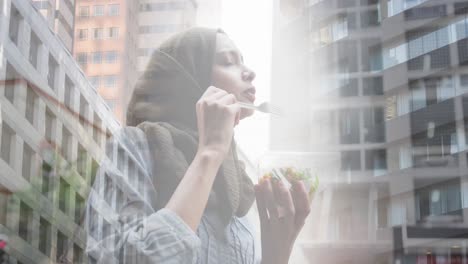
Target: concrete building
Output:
[
  {"x": 54, "y": 127},
  {"x": 381, "y": 85},
  {"x": 157, "y": 20},
  {"x": 106, "y": 48},
  {"x": 60, "y": 16}
]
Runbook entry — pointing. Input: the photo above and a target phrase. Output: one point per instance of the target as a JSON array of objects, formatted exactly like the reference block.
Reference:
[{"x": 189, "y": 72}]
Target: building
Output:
[
  {"x": 106, "y": 35},
  {"x": 54, "y": 128},
  {"x": 114, "y": 41},
  {"x": 159, "y": 19},
  {"x": 382, "y": 85},
  {"x": 60, "y": 16}
]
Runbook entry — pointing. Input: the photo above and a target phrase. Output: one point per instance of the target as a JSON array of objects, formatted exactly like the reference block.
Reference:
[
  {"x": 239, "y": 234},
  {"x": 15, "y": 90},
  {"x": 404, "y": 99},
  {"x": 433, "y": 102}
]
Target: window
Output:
[
  {"x": 348, "y": 87},
  {"x": 464, "y": 80},
  {"x": 98, "y": 33},
  {"x": 82, "y": 161},
  {"x": 44, "y": 236},
  {"x": 350, "y": 160},
  {"x": 79, "y": 208},
  {"x": 163, "y": 6},
  {"x": 114, "y": 10},
  {"x": 83, "y": 34},
  {"x": 11, "y": 76},
  {"x": 370, "y": 18},
  {"x": 113, "y": 32},
  {"x": 97, "y": 57},
  {"x": 15, "y": 22},
  {"x": 376, "y": 160},
  {"x": 438, "y": 199},
  {"x": 121, "y": 159},
  {"x": 83, "y": 111},
  {"x": 3, "y": 209},
  {"x": 82, "y": 58},
  {"x": 418, "y": 95},
  {"x": 69, "y": 95},
  {"x": 374, "y": 125},
  {"x": 64, "y": 196},
  {"x": 98, "y": 10},
  {"x": 77, "y": 254},
  {"x": 32, "y": 104},
  {"x": 431, "y": 90},
  {"x": 426, "y": 12},
  {"x": 110, "y": 81},
  {"x": 47, "y": 176},
  {"x": 34, "y": 49},
  {"x": 28, "y": 161},
  {"x": 66, "y": 144},
  {"x": 83, "y": 11},
  {"x": 8, "y": 143},
  {"x": 51, "y": 76},
  {"x": 25, "y": 221},
  {"x": 111, "y": 56},
  {"x": 62, "y": 245},
  {"x": 94, "y": 169},
  {"x": 372, "y": 86},
  {"x": 349, "y": 126},
  {"x": 119, "y": 199},
  {"x": 97, "y": 130},
  {"x": 164, "y": 28},
  {"x": 434, "y": 146},
  {"x": 50, "y": 125},
  {"x": 461, "y": 8}
]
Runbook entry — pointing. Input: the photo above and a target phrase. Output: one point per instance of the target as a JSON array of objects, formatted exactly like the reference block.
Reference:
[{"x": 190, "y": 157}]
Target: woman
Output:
[{"x": 187, "y": 198}]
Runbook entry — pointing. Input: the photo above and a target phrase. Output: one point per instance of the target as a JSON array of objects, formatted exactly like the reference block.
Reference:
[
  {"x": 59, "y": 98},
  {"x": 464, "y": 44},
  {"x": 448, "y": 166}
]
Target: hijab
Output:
[{"x": 163, "y": 106}]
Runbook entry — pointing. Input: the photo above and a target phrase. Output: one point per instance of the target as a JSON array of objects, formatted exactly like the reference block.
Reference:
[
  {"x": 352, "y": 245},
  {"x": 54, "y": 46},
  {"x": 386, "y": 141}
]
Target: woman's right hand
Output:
[{"x": 217, "y": 115}]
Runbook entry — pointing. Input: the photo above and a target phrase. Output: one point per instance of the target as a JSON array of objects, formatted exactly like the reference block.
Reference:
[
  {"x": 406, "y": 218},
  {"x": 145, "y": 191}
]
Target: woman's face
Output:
[{"x": 230, "y": 74}]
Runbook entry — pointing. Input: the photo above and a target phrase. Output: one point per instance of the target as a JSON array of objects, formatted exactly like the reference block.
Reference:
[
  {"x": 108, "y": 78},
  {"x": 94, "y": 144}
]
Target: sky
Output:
[{"x": 249, "y": 25}]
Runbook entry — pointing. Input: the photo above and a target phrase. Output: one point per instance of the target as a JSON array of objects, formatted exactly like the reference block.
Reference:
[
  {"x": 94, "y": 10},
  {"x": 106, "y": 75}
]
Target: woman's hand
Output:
[
  {"x": 217, "y": 114},
  {"x": 282, "y": 215}
]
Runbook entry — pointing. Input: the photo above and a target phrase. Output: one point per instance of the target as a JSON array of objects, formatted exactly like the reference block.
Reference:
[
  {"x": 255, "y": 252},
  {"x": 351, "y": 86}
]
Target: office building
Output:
[
  {"x": 381, "y": 88},
  {"x": 60, "y": 16},
  {"x": 106, "y": 48},
  {"x": 54, "y": 128}
]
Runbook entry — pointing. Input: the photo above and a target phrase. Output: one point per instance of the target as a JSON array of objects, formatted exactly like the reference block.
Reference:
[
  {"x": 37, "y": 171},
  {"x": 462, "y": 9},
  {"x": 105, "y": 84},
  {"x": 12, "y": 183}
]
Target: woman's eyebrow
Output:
[{"x": 233, "y": 53}]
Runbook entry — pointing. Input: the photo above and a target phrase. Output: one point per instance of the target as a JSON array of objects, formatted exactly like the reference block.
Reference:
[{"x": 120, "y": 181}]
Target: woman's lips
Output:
[{"x": 250, "y": 94}]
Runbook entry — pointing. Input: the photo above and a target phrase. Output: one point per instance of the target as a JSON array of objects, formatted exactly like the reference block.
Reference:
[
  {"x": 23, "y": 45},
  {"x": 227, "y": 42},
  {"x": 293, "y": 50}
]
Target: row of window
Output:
[
  {"x": 98, "y": 33},
  {"x": 108, "y": 81},
  {"x": 162, "y": 6},
  {"x": 52, "y": 78},
  {"x": 97, "y": 57},
  {"x": 99, "y": 10},
  {"x": 161, "y": 28},
  {"x": 26, "y": 232}
]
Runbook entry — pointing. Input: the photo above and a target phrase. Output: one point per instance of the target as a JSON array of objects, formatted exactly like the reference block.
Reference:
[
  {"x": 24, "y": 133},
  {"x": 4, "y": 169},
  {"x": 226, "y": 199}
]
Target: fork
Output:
[{"x": 264, "y": 107}]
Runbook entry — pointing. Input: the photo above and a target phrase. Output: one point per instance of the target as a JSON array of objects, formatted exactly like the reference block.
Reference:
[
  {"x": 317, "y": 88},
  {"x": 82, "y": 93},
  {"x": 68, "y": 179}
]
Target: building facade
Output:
[
  {"x": 382, "y": 86},
  {"x": 105, "y": 47},
  {"x": 54, "y": 128},
  {"x": 157, "y": 20},
  {"x": 60, "y": 16}
]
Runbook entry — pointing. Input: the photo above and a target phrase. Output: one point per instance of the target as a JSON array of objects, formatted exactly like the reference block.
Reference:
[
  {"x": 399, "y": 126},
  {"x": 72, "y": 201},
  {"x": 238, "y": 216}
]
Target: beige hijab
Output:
[{"x": 163, "y": 106}]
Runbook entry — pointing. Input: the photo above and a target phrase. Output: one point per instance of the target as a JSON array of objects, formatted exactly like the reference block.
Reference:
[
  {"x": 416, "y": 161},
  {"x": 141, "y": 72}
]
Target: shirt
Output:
[{"x": 123, "y": 226}]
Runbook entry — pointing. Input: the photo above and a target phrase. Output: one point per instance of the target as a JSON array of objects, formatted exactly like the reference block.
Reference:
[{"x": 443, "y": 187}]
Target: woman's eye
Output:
[{"x": 228, "y": 62}]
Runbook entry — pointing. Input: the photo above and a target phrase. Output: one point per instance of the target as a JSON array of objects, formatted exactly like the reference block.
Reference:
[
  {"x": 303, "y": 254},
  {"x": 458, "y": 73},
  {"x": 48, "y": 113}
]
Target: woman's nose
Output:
[{"x": 248, "y": 75}]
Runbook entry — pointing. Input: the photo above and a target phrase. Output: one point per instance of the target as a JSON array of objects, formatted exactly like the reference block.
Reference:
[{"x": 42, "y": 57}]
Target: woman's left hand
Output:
[{"x": 282, "y": 215}]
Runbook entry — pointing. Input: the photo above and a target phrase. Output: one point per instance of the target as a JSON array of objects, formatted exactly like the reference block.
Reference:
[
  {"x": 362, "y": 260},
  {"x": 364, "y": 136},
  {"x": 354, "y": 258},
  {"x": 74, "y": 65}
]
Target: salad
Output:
[{"x": 292, "y": 174}]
